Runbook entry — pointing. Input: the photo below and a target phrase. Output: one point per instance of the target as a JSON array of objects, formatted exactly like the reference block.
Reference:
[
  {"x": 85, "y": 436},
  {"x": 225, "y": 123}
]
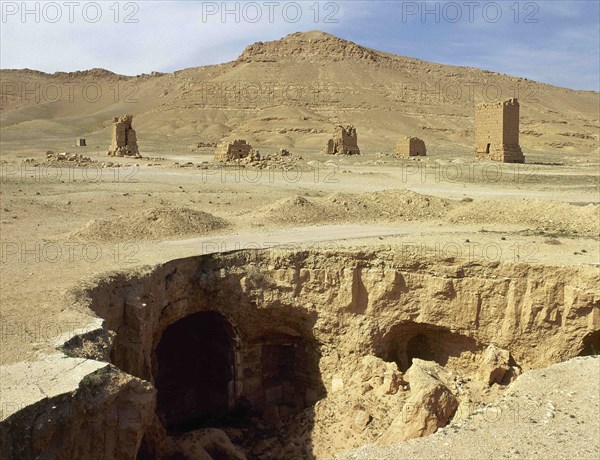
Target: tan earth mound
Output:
[
  {"x": 151, "y": 224},
  {"x": 387, "y": 205},
  {"x": 542, "y": 216}
]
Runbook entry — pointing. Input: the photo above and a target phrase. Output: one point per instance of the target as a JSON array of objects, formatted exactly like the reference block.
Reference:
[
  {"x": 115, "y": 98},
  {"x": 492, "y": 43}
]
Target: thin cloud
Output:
[{"x": 561, "y": 48}]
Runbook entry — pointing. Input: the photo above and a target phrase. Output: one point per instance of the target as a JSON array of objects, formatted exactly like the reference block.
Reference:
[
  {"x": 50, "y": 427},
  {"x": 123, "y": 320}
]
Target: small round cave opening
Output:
[
  {"x": 195, "y": 372},
  {"x": 409, "y": 340}
]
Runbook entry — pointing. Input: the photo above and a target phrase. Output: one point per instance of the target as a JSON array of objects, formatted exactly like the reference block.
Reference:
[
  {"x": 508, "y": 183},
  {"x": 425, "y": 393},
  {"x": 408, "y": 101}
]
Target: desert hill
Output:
[{"x": 289, "y": 93}]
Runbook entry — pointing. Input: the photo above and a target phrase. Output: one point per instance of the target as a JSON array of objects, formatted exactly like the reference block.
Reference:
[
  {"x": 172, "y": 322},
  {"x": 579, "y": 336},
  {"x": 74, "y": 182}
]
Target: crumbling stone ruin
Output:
[
  {"x": 80, "y": 142},
  {"x": 124, "y": 139},
  {"x": 411, "y": 147},
  {"x": 232, "y": 151},
  {"x": 497, "y": 132},
  {"x": 344, "y": 142}
]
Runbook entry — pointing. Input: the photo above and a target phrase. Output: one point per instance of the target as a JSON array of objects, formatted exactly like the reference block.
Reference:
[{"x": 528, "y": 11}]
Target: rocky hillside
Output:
[{"x": 289, "y": 93}]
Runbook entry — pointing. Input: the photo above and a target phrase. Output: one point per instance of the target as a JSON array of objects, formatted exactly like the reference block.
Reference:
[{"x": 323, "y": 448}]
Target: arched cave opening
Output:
[
  {"x": 290, "y": 377},
  {"x": 591, "y": 344},
  {"x": 195, "y": 372},
  {"x": 409, "y": 340}
]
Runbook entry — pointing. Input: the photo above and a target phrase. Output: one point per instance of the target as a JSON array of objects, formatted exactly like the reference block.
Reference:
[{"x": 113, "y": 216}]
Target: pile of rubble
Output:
[
  {"x": 61, "y": 159},
  {"x": 64, "y": 159},
  {"x": 283, "y": 160}
]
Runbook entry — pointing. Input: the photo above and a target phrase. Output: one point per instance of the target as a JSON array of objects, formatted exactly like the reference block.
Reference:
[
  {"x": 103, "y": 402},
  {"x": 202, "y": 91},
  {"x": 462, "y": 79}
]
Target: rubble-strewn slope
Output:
[{"x": 549, "y": 413}]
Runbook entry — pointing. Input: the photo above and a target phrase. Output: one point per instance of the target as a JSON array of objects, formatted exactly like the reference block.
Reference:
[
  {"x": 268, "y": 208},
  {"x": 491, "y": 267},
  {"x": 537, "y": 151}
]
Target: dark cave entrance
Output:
[
  {"x": 591, "y": 344},
  {"x": 409, "y": 340},
  {"x": 419, "y": 346},
  {"x": 290, "y": 377},
  {"x": 195, "y": 372}
]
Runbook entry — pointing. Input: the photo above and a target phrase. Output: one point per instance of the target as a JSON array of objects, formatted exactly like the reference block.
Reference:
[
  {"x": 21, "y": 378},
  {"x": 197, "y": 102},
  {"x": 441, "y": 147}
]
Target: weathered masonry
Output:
[
  {"x": 232, "y": 151},
  {"x": 344, "y": 142},
  {"x": 411, "y": 147},
  {"x": 497, "y": 132},
  {"x": 124, "y": 138}
]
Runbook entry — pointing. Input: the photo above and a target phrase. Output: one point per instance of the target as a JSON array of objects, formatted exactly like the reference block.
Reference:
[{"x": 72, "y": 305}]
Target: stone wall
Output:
[
  {"x": 497, "y": 132},
  {"x": 232, "y": 151},
  {"x": 124, "y": 138},
  {"x": 344, "y": 142},
  {"x": 411, "y": 147}
]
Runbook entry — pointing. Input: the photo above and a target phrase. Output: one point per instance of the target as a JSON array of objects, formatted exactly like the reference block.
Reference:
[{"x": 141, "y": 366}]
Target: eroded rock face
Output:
[
  {"x": 308, "y": 46},
  {"x": 104, "y": 417},
  {"x": 315, "y": 343}
]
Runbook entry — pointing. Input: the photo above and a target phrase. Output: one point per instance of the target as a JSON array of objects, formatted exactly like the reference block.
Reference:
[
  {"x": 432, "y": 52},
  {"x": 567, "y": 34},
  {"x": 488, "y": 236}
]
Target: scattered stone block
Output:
[
  {"x": 497, "y": 366},
  {"x": 360, "y": 419},
  {"x": 430, "y": 405}
]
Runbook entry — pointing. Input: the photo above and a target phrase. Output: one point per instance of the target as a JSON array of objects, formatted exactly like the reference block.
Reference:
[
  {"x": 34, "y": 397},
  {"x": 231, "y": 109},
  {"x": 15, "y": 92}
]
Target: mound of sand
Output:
[
  {"x": 542, "y": 216},
  {"x": 151, "y": 224},
  {"x": 388, "y": 205}
]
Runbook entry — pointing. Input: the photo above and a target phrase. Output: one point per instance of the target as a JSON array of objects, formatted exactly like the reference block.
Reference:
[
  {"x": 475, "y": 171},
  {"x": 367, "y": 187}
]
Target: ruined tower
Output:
[
  {"x": 411, "y": 147},
  {"x": 124, "y": 139},
  {"x": 232, "y": 151},
  {"x": 344, "y": 142},
  {"x": 497, "y": 132}
]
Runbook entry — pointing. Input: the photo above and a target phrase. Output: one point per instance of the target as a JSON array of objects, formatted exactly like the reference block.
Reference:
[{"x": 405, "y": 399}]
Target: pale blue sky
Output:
[{"x": 557, "y": 42}]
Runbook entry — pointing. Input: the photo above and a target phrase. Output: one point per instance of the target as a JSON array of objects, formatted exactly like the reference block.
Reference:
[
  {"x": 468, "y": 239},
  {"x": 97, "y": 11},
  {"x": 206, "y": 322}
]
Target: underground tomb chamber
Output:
[
  {"x": 282, "y": 332},
  {"x": 203, "y": 379},
  {"x": 195, "y": 371},
  {"x": 408, "y": 340}
]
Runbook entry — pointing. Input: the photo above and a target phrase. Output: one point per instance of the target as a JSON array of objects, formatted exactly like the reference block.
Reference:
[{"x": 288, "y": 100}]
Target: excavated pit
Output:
[{"x": 257, "y": 354}]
